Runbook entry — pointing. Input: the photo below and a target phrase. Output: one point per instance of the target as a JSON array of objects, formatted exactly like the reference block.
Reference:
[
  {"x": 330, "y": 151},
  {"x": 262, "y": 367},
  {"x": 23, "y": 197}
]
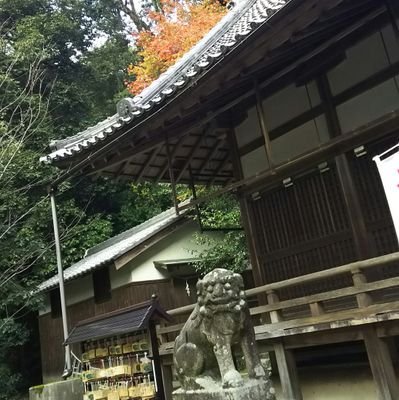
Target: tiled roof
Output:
[
  {"x": 117, "y": 323},
  {"x": 244, "y": 18},
  {"x": 113, "y": 248}
]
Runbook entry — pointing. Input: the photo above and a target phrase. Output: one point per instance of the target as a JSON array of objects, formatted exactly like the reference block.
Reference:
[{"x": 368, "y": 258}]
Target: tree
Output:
[
  {"x": 175, "y": 28},
  {"x": 54, "y": 81},
  {"x": 227, "y": 248}
]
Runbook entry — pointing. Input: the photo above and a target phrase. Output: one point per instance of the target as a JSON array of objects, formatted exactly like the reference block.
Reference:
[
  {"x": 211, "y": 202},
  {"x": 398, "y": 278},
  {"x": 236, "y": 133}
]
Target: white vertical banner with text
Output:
[{"x": 388, "y": 167}]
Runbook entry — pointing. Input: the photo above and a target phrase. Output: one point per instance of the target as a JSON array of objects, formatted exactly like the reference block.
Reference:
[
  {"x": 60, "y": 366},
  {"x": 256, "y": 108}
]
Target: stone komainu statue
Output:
[{"x": 220, "y": 319}]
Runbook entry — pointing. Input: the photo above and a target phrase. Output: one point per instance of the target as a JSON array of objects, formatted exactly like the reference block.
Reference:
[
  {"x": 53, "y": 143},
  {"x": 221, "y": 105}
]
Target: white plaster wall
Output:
[
  {"x": 46, "y": 305},
  {"x": 75, "y": 291},
  {"x": 175, "y": 246}
]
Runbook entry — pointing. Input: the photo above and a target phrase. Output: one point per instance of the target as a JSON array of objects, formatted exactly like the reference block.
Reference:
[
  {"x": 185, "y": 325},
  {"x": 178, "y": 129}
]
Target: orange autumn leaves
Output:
[{"x": 174, "y": 31}]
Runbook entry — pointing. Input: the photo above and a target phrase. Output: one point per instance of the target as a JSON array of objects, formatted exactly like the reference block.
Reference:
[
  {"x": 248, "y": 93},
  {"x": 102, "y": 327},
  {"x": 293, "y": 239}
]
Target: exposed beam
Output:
[
  {"x": 196, "y": 146},
  {"x": 166, "y": 165},
  {"x": 150, "y": 159},
  {"x": 220, "y": 168},
  {"x": 123, "y": 156},
  {"x": 210, "y": 156},
  {"x": 120, "y": 170},
  {"x": 341, "y": 144},
  {"x": 172, "y": 175},
  {"x": 282, "y": 32},
  {"x": 332, "y": 41}
]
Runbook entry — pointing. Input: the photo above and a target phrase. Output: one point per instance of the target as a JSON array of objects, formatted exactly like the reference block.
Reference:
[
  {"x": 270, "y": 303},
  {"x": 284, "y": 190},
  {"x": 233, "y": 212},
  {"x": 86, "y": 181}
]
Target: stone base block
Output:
[
  {"x": 252, "y": 389},
  {"x": 63, "y": 390}
]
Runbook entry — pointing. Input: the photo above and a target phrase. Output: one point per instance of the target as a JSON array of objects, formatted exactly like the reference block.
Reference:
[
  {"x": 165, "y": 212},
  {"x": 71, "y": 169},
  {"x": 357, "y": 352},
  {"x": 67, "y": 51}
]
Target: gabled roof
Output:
[
  {"x": 118, "y": 322},
  {"x": 180, "y": 129},
  {"x": 229, "y": 33},
  {"x": 115, "y": 247}
]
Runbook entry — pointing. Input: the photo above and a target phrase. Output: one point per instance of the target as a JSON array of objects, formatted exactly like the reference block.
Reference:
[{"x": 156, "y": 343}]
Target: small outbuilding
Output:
[{"x": 151, "y": 258}]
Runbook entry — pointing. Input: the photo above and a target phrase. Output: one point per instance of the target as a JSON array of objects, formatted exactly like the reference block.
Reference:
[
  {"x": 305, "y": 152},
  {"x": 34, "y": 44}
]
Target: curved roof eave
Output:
[{"x": 244, "y": 18}]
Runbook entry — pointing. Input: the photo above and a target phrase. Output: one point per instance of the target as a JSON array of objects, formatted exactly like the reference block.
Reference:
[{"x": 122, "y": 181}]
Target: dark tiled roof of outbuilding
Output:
[
  {"x": 118, "y": 322},
  {"x": 245, "y": 17}
]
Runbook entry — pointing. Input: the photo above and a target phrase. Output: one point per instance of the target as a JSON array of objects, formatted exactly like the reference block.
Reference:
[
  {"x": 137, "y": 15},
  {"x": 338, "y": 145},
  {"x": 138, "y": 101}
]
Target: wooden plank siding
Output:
[
  {"x": 50, "y": 328},
  {"x": 305, "y": 227},
  {"x": 302, "y": 229}
]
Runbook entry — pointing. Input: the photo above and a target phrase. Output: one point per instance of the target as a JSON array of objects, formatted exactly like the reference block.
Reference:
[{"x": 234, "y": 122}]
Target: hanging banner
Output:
[{"x": 388, "y": 167}]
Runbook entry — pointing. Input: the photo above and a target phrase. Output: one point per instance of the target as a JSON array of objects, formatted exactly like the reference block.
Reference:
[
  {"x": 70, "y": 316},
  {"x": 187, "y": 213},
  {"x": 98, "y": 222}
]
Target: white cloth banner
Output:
[{"x": 388, "y": 166}]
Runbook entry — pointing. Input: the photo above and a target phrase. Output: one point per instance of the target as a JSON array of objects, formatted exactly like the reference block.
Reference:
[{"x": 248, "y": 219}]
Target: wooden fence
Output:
[{"x": 367, "y": 298}]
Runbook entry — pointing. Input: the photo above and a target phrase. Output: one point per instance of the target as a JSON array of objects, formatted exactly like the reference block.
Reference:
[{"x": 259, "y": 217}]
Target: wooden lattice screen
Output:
[{"x": 305, "y": 227}]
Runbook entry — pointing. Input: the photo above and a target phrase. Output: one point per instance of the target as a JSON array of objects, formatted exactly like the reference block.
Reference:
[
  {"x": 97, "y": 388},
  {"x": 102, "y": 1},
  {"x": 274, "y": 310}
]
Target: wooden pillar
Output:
[
  {"x": 381, "y": 365},
  {"x": 245, "y": 213},
  {"x": 262, "y": 124},
  {"x": 157, "y": 360},
  {"x": 167, "y": 376},
  {"x": 363, "y": 299},
  {"x": 363, "y": 246},
  {"x": 172, "y": 175},
  {"x": 351, "y": 198},
  {"x": 285, "y": 360}
]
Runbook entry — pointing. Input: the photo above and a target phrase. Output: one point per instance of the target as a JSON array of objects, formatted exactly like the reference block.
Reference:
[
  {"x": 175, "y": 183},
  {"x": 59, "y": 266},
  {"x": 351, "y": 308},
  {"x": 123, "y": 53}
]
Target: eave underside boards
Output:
[
  {"x": 282, "y": 55},
  {"x": 206, "y": 154}
]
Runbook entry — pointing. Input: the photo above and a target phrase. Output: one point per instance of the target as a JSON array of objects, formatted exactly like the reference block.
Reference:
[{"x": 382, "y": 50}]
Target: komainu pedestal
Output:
[
  {"x": 251, "y": 389},
  {"x": 203, "y": 356}
]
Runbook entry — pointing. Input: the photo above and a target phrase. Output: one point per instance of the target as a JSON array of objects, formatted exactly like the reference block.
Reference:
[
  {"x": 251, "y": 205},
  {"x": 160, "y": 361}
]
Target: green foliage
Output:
[
  {"x": 9, "y": 383},
  {"x": 221, "y": 212},
  {"x": 54, "y": 81},
  {"x": 224, "y": 250},
  {"x": 227, "y": 252}
]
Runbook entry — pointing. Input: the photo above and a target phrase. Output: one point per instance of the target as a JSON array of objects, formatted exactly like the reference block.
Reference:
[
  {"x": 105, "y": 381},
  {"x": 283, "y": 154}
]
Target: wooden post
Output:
[
  {"x": 246, "y": 217},
  {"x": 262, "y": 124},
  {"x": 363, "y": 299},
  {"x": 172, "y": 175},
  {"x": 381, "y": 365},
  {"x": 157, "y": 361},
  {"x": 285, "y": 360},
  {"x": 168, "y": 380},
  {"x": 316, "y": 309}
]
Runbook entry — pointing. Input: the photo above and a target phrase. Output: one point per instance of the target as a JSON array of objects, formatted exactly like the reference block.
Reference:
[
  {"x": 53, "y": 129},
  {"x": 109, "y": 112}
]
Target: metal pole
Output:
[{"x": 68, "y": 370}]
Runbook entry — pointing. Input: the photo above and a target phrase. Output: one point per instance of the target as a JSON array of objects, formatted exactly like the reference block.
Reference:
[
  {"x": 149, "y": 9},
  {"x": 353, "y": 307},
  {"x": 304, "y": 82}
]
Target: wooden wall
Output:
[
  {"x": 307, "y": 227},
  {"x": 51, "y": 336},
  {"x": 302, "y": 228}
]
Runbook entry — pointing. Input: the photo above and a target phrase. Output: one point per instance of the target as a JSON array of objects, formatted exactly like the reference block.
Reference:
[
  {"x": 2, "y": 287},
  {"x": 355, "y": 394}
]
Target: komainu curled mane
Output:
[{"x": 220, "y": 319}]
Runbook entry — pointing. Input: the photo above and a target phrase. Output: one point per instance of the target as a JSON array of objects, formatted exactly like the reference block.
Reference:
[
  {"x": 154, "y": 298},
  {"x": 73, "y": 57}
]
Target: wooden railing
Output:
[{"x": 366, "y": 303}]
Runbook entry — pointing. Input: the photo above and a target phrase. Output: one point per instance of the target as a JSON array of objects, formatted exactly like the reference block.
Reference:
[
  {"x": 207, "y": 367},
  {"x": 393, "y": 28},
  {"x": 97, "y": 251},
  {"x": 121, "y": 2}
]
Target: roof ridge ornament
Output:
[{"x": 126, "y": 107}]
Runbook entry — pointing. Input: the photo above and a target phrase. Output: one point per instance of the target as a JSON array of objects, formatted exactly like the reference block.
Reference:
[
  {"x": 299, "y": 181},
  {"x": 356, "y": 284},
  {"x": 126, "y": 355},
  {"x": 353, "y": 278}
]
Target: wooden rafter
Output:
[
  {"x": 148, "y": 162},
  {"x": 194, "y": 149},
  {"x": 222, "y": 164},
  {"x": 119, "y": 172},
  {"x": 172, "y": 155},
  {"x": 123, "y": 156},
  {"x": 171, "y": 174},
  {"x": 210, "y": 156}
]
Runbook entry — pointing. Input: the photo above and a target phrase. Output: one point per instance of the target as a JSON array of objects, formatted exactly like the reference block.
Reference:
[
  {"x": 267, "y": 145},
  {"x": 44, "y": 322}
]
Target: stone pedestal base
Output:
[{"x": 252, "y": 389}]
